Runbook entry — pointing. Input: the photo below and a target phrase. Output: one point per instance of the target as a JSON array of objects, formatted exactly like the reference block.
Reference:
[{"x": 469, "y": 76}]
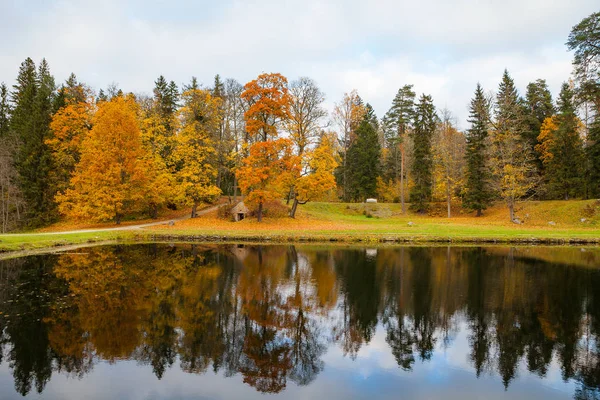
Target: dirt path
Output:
[{"x": 130, "y": 227}]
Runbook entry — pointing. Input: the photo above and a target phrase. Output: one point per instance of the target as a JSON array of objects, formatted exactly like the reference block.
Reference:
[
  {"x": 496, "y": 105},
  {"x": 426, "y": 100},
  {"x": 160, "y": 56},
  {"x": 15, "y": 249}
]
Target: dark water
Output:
[{"x": 191, "y": 321}]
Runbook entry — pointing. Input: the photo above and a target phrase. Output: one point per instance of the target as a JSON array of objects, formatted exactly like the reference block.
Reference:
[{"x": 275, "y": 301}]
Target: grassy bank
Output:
[
  {"x": 32, "y": 241},
  {"x": 543, "y": 222}
]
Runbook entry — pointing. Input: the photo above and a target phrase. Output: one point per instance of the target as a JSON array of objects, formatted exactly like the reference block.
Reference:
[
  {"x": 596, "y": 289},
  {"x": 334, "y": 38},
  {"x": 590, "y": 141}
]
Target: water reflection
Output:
[{"x": 269, "y": 314}]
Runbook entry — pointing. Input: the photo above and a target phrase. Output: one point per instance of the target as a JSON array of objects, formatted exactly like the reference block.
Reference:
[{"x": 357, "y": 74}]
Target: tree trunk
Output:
[
  {"x": 154, "y": 211},
  {"x": 259, "y": 212},
  {"x": 402, "y": 180},
  {"x": 511, "y": 210},
  {"x": 289, "y": 196},
  {"x": 448, "y": 198},
  {"x": 118, "y": 217},
  {"x": 234, "y": 189},
  {"x": 194, "y": 209},
  {"x": 479, "y": 213},
  {"x": 294, "y": 208}
]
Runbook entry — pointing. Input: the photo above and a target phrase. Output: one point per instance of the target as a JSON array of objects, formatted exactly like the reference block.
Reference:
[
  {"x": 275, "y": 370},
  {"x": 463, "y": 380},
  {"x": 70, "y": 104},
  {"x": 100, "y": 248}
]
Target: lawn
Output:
[{"x": 547, "y": 221}]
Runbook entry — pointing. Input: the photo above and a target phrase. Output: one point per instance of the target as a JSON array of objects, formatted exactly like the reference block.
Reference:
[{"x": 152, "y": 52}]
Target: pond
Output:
[{"x": 183, "y": 321}]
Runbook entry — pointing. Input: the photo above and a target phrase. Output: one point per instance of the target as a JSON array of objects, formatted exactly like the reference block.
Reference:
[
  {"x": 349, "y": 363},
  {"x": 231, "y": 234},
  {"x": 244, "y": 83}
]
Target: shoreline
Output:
[{"x": 55, "y": 242}]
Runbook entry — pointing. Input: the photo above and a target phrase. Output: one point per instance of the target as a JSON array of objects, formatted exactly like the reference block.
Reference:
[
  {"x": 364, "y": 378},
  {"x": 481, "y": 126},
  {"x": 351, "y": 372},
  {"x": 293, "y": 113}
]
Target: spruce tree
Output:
[
  {"x": 363, "y": 162},
  {"x": 33, "y": 98},
  {"x": 5, "y": 111},
  {"x": 510, "y": 157},
  {"x": 396, "y": 124},
  {"x": 478, "y": 194},
  {"x": 566, "y": 168},
  {"x": 422, "y": 169},
  {"x": 538, "y": 106},
  {"x": 593, "y": 158}
]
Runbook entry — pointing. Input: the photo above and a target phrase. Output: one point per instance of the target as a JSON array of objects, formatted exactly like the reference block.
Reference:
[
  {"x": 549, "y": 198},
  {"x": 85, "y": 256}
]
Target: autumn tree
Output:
[
  {"x": 306, "y": 113},
  {"x": 159, "y": 122},
  {"x": 397, "y": 123},
  {"x": 113, "y": 178},
  {"x": 69, "y": 127},
  {"x": 269, "y": 106},
  {"x": 478, "y": 187},
  {"x": 347, "y": 115},
  {"x": 305, "y": 124},
  {"x": 425, "y": 120},
  {"x": 270, "y": 158},
  {"x": 267, "y": 173},
  {"x": 511, "y": 158},
  {"x": 319, "y": 178},
  {"x": 449, "y": 155},
  {"x": 235, "y": 108},
  {"x": 195, "y": 154}
]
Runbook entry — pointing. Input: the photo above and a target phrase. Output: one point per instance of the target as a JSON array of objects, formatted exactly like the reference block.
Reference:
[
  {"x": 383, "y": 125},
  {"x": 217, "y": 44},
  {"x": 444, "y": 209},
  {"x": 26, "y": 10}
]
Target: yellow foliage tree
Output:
[
  {"x": 320, "y": 179},
  {"x": 70, "y": 125},
  {"x": 195, "y": 152},
  {"x": 114, "y": 176},
  {"x": 546, "y": 139}
]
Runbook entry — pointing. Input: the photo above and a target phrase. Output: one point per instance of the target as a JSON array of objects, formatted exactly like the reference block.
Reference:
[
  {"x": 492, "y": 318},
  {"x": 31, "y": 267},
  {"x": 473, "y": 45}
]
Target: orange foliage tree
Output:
[
  {"x": 115, "y": 175},
  {"x": 267, "y": 173},
  {"x": 70, "y": 125},
  {"x": 269, "y": 102},
  {"x": 270, "y": 162}
]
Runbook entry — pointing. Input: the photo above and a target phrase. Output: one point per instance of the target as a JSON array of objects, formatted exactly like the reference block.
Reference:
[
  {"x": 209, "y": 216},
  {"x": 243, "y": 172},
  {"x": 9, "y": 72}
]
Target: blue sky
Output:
[{"x": 442, "y": 47}]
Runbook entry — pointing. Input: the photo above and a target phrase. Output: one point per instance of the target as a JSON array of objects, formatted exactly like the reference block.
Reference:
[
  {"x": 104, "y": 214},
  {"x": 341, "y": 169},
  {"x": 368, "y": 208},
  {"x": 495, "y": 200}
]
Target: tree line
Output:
[{"x": 66, "y": 150}]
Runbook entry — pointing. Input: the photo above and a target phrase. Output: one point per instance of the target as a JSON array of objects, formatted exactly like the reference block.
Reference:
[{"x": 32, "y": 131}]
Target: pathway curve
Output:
[{"x": 128, "y": 227}]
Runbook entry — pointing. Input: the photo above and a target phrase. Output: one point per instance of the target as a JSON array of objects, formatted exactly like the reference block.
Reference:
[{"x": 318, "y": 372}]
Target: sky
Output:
[{"x": 441, "y": 47}]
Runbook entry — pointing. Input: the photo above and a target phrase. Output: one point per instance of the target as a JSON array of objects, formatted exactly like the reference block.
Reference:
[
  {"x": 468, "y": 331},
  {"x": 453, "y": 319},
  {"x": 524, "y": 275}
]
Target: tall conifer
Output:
[
  {"x": 422, "y": 168},
  {"x": 478, "y": 195}
]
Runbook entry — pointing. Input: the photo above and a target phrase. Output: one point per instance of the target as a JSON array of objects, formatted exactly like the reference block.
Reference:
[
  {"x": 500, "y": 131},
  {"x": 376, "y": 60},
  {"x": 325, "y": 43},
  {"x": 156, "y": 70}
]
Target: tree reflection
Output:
[{"x": 270, "y": 313}]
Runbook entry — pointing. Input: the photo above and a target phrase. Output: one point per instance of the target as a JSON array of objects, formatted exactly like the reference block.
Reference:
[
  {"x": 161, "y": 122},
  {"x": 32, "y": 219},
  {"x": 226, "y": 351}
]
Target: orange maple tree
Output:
[
  {"x": 269, "y": 102},
  {"x": 270, "y": 165}
]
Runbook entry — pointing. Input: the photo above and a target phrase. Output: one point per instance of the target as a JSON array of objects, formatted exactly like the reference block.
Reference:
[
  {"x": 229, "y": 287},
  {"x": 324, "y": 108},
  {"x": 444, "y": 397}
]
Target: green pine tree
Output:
[
  {"x": 363, "y": 162},
  {"x": 566, "y": 168},
  {"x": 478, "y": 191},
  {"x": 5, "y": 111},
  {"x": 33, "y": 98},
  {"x": 396, "y": 125},
  {"x": 422, "y": 169},
  {"x": 593, "y": 158},
  {"x": 537, "y": 107}
]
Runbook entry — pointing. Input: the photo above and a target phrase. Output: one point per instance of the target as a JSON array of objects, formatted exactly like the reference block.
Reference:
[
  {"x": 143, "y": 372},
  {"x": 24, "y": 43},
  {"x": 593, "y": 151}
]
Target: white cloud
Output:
[{"x": 441, "y": 47}]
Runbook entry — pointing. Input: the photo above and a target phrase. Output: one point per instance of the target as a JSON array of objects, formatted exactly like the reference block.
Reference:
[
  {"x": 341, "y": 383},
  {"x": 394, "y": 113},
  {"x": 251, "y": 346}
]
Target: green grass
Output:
[
  {"x": 32, "y": 241},
  {"x": 347, "y": 223}
]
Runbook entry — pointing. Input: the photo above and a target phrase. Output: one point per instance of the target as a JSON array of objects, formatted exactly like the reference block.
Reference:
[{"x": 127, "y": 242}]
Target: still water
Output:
[{"x": 191, "y": 321}]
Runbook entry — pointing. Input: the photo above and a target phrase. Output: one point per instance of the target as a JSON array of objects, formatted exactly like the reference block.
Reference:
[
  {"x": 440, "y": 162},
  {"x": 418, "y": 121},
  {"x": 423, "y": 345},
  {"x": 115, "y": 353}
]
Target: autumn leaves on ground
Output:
[{"x": 549, "y": 222}]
